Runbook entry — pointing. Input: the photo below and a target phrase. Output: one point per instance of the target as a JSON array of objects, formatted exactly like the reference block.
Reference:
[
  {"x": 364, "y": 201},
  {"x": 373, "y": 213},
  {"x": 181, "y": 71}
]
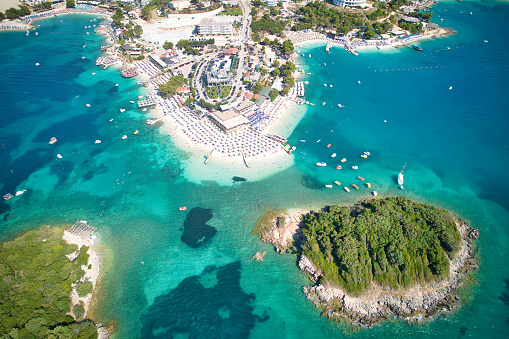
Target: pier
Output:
[
  {"x": 208, "y": 156},
  {"x": 82, "y": 229},
  {"x": 147, "y": 102},
  {"x": 245, "y": 161}
]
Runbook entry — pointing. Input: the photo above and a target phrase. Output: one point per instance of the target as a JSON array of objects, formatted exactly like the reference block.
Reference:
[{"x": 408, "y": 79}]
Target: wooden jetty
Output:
[
  {"x": 82, "y": 229},
  {"x": 147, "y": 102},
  {"x": 245, "y": 161}
]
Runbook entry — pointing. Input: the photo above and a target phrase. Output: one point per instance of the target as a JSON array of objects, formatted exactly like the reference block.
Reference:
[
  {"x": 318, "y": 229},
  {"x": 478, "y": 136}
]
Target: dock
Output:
[
  {"x": 82, "y": 229},
  {"x": 245, "y": 161},
  {"x": 147, "y": 102},
  {"x": 208, "y": 156}
]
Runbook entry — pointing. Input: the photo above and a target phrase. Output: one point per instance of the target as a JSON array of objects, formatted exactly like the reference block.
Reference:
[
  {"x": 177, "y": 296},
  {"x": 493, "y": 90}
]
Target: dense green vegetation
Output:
[
  {"x": 212, "y": 92},
  {"x": 14, "y": 13},
  {"x": 170, "y": 88},
  {"x": 35, "y": 284},
  {"x": 269, "y": 25},
  {"x": 393, "y": 241}
]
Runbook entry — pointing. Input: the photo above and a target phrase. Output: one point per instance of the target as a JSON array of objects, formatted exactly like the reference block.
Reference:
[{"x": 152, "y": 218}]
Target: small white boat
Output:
[
  {"x": 143, "y": 110},
  {"x": 37, "y": 33},
  {"x": 375, "y": 193},
  {"x": 450, "y": 87},
  {"x": 367, "y": 153},
  {"x": 132, "y": 102},
  {"x": 36, "y": 64},
  {"x": 324, "y": 64},
  {"x": 88, "y": 105},
  {"x": 59, "y": 156},
  {"x": 122, "y": 110},
  {"x": 93, "y": 73},
  {"x": 321, "y": 164},
  {"x": 98, "y": 141},
  {"x": 111, "y": 120},
  {"x": 333, "y": 155},
  {"x": 87, "y": 33},
  {"x": 359, "y": 82},
  {"x": 83, "y": 57},
  {"x": 330, "y": 85},
  {"x": 84, "y": 46},
  {"x": 325, "y": 85},
  {"x": 116, "y": 85},
  {"x": 485, "y": 40},
  {"x": 355, "y": 167},
  {"x": 20, "y": 192},
  {"x": 124, "y": 137},
  {"x": 309, "y": 55},
  {"x": 302, "y": 140}
]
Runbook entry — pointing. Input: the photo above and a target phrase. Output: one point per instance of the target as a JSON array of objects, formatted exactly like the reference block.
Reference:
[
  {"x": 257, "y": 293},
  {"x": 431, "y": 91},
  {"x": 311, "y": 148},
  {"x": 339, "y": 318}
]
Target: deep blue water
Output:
[{"x": 198, "y": 278}]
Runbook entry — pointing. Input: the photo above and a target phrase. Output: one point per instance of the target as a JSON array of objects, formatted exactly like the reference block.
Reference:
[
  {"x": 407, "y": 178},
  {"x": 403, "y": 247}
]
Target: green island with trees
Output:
[
  {"x": 35, "y": 287},
  {"x": 394, "y": 242}
]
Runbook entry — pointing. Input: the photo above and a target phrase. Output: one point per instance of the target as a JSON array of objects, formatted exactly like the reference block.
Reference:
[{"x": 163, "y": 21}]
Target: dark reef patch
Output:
[
  {"x": 237, "y": 179},
  {"x": 221, "y": 309},
  {"x": 196, "y": 232}
]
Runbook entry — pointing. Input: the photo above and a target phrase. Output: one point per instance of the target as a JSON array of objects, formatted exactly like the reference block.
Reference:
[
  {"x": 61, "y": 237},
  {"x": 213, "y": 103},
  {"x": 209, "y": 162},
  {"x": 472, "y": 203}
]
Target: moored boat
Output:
[
  {"x": 328, "y": 145},
  {"x": 346, "y": 189},
  {"x": 328, "y": 186},
  {"x": 321, "y": 164},
  {"x": 52, "y": 140},
  {"x": 355, "y": 167},
  {"x": 343, "y": 160},
  {"x": 333, "y": 155},
  {"x": 338, "y": 167},
  {"x": 355, "y": 186},
  {"x": 182, "y": 208},
  {"x": 337, "y": 183},
  {"x": 136, "y": 132},
  {"x": 375, "y": 193},
  {"x": 98, "y": 141},
  {"x": 124, "y": 137},
  {"x": 368, "y": 184},
  {"x": 361, "y": 178},
  {"x": 417, "y": 48},
  {"x": 364, "y": 156}
]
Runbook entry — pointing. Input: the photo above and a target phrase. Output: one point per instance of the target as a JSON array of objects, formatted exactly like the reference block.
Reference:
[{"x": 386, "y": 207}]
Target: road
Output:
[{"x": 241, "y": 68}]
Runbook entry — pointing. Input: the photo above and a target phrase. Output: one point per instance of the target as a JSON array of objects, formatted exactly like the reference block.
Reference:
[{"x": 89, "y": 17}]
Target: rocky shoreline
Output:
[{"x": 414, "y": 304}]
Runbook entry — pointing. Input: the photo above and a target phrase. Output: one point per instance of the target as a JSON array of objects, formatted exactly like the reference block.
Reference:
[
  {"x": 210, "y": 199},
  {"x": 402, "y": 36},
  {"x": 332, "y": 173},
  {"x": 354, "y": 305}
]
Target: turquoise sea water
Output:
[{"x": 198, "y": 278}]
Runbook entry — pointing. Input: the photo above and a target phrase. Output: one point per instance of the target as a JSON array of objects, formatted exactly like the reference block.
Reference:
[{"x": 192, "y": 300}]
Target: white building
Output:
[
  {"x": 208, "y": 26},
  {"x": 179, "y": 4},
  {"x": 349, "y": 3}
]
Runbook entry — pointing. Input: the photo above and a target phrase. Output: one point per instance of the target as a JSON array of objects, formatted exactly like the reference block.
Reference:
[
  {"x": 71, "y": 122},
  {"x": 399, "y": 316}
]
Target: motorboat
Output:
[
  {"x": 124, "y": 137},
  {"x": 361, "y": 178},
  {"x": 132, "y": 102},
  {"x": 364, "y": 156},
  {"x": 136, "y": 132},
  {"x": 347, "y": 189},
  {"x": 328, "y": 186},
  {"x": 355, "y": 167},
  {"x": 368, "y": 185},
  {"x": 355, "y": 186},
  {"x": 337, "y": 183},
  {"x": 321, "y": 164},
  {"x": 59, "y": 156},
  {"x": 36, "y": 64},
  {"x": 338, "y": 167},
  {"x": 122, "y": 110},
  {"x": 20, "y": 192},
  {"x": 330, "y": 85},
  {"x": 343, "y": 160},
  {"x": 333, "y": 155},
  {"x": 375, "y": 193},
  {"x": 52, "y": 140},
  {"x": 88, "y": 105},
  {"x": 328, "y": 145},
  {"x": 325, "y": 85},
  {"x": 182, "y": 208},
  {"x": 98, "y": 141}
]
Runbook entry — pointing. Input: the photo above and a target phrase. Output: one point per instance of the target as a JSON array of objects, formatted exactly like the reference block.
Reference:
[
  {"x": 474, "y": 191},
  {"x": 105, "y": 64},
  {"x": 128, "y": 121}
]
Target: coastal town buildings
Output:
[{"x": 209, "y": 26}]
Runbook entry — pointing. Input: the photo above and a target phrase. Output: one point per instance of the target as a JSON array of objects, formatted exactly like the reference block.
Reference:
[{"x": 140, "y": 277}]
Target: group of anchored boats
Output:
[{"x": 356, "y": 167}]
